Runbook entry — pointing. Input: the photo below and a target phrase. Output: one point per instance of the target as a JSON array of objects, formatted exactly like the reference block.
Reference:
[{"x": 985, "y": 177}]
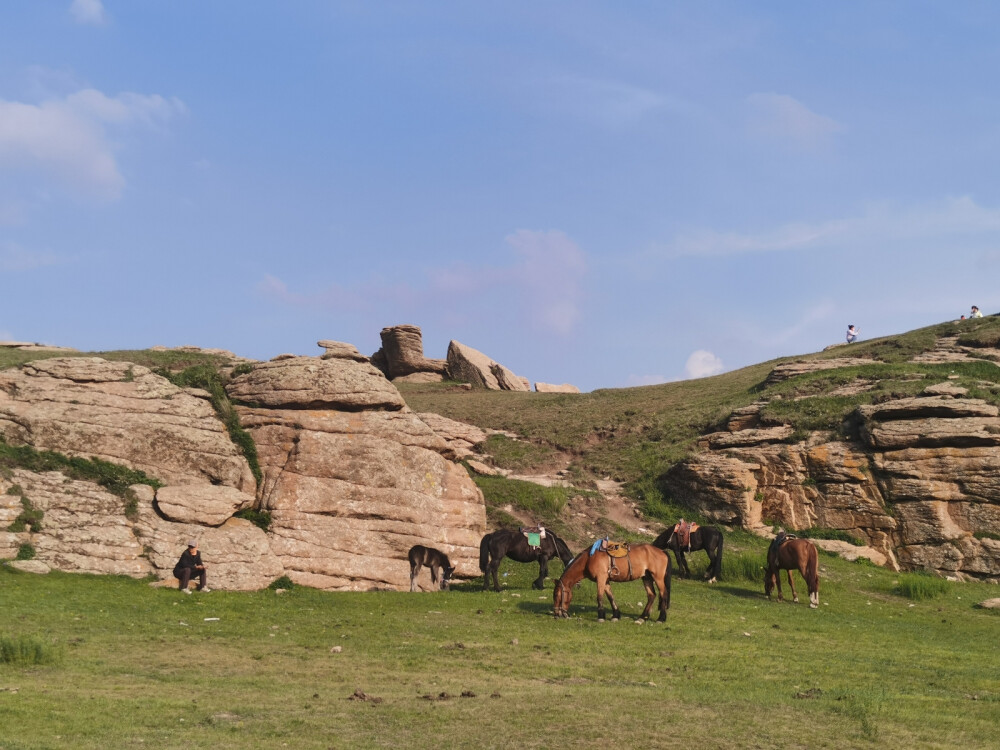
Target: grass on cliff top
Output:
[
  {"x": 173, "y": 361},
  {"x": 136, "y": 666}
]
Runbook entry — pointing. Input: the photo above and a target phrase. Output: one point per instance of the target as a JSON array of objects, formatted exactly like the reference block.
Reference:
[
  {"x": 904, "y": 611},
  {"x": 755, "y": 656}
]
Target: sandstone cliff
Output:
[{"x": 351, "y": 477}]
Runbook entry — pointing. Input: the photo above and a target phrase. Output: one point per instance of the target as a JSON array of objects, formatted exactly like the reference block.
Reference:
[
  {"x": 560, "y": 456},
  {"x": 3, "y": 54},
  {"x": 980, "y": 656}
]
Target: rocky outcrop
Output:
[
  {"x": 921, "y": 484},
  {"x": 341, "y": 350},
  {"x": 402, "y": 354},
  {"x": 350, "y": 493},
  {"x": 550, "y": 388},
  {"x": 351, "y": 477},
  {"x": 311, "y": 383},
  {"x": 461, "y": 437},
  {"x": 122, "y": 413},
  {"x": 468, "y": 365}
]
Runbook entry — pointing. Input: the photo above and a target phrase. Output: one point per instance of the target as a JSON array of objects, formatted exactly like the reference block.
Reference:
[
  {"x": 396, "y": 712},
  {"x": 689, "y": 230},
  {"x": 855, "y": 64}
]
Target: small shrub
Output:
[
  {"x": 25, "y": 552},
  {"x": 25, "y": 651},
  {"x": 129, "y": 375},
  {"x": 242, "y": 369},
  {"x": 745, "y": 566},
  {"x": 14, "y": 489},
  {"x": 987, "y": 535},
  {"x": 30, "y": 516},
  {"x": 131, "y": 506},
  {"x": 259, "y": 518},
  {"x": 921, "y": 585},
  {"x": 282, "y": 583}
]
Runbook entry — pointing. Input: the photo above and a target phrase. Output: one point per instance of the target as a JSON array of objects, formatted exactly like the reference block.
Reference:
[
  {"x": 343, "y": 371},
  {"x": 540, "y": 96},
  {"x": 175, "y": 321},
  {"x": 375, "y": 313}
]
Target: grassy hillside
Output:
[
  {"x": 636, "y": 434},
  {"x": 125, "y": 665}
]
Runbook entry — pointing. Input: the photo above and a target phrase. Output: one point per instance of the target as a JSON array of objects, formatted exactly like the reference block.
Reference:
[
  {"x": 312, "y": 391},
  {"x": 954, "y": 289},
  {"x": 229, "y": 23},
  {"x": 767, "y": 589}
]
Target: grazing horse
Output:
[
  {"x": 643, "y": 561},
  {"x": 513, "y": 544},
  {"x": 791, "y": 553},
  {"x": 707, "y": 538},
  {"x": 434, "y": 559}
]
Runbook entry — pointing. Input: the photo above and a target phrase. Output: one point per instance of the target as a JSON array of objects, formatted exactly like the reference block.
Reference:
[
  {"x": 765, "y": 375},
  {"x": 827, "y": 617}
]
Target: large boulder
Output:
[
  {"x": 469, "y": 365},
  {"x": 402, "y": 353},
  {"x": 311, "y": 383},
  {"x": 553, "y": 388},
  {"x": 122, "y": 413},
  {"x": 350, "y": 493},
  {"x": 204, "y": 504}
]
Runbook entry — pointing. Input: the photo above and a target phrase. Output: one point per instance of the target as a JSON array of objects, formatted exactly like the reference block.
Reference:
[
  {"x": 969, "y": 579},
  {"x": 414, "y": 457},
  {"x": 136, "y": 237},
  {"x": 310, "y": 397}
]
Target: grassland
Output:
[{"x": 138, "y": 667}]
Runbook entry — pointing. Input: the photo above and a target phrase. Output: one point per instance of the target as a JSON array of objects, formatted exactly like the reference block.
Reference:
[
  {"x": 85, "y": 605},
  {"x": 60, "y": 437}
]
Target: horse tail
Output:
[
  {"x": 717, "y": 568},
  {"x": 812, "y": 565},
  {"x": 484, "y": 553}
]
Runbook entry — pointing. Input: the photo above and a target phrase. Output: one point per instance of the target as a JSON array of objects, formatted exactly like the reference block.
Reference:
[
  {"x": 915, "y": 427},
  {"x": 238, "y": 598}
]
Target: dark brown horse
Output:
[
  {"x": 434, "y": 559},
  {"x": 643, "y": 561},
  {"x": 513, "y": 544},
  {"x": 707, "y": 538},
  {"x": 791, "y": 554}
]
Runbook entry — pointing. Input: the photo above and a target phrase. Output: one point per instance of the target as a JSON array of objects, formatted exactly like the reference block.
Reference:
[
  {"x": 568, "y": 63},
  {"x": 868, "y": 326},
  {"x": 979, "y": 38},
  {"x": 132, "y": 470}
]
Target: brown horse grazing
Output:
[
  {"x": 790, "y": 554},
  {"x": 434, "y": 559},
  {"x": 643, "y": 561}
]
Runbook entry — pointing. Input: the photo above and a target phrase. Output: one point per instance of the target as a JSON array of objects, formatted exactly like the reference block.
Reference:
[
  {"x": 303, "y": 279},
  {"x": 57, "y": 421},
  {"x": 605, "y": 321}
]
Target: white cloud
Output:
[
  {"x": 948, "y": 218},
  {"x": 782, "y": 116},
  {"x": 67, "y": 138},
  {"x": 541, "y": 282},
  {"x": 14, "y": 258},
  {"x": 89, "y": 12},
  {"x": 701, "y": 364}
]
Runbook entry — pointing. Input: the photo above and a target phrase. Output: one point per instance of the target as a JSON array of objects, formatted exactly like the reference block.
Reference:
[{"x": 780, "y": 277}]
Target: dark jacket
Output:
[{"x": 187, "y": 561}]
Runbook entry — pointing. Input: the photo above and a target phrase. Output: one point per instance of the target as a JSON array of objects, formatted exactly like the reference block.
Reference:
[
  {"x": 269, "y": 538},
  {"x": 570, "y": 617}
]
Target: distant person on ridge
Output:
[
  {"x": 190, "y": 566},
  {"x": 852, "y": 333},
  {"x": 975, "y": 312}
]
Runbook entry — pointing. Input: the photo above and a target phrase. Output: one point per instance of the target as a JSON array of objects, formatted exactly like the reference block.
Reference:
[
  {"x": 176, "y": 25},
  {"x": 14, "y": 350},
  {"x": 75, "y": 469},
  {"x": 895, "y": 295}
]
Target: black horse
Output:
[
  {"x": 434, "y": 559},
  {"x": 513, "y": 544},
  {"x": 707, "y": 538}
]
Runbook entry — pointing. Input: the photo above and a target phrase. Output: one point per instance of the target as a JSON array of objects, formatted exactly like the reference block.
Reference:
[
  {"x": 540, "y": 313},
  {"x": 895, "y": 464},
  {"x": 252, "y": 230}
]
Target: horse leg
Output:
[
  {"x": 494, "y": 570},
  {"x": 777, "y": 582},
  {"x": 414, "y": 569},
  {"x": 434, "y": 575},
  {"x": 682, "y": 564},
  {"x": 664, "y": 594},
  {"x": 601, "y": 585},
  {"x": 647, "y": 581},
  {"x": 791, "y": 582},
  {"x": 616, "y": 614},
  {"x": 543, "y": 571}
]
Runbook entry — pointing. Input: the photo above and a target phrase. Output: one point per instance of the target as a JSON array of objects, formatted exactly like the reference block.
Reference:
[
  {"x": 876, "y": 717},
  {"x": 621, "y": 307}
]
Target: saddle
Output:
[
  {"x": 534, "y": 535},
  {"x": 683, "y": 531},
  {"x": 615, "y": 550},
  {"x": 780, "y": 539}
]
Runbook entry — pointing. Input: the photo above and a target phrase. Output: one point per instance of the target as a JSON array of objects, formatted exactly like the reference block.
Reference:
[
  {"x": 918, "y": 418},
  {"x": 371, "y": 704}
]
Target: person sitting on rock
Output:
[
  {"x": 852, "y": 333},
  {"x": 975, "y": 312},
  {"x": 190, "y": 566}
]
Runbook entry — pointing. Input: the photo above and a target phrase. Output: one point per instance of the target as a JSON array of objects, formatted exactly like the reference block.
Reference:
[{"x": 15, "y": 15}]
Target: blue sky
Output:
[{"x": 606, "y": 194}]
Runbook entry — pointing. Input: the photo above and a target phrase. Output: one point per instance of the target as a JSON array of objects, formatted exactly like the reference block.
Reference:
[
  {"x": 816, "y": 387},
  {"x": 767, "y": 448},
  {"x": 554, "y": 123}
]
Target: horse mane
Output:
[{"x": 561, "y": 547}]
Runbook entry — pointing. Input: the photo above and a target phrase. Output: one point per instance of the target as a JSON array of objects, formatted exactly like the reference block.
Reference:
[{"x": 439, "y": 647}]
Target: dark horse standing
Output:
[
  {"x": 513, "y": 544},
  {"x": 707, "y": 538}
]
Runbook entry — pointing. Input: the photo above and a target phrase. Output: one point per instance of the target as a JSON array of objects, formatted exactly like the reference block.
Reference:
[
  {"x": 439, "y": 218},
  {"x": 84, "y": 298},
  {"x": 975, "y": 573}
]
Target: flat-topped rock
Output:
[
  {"x": 313, "y": 383},
  {"x": 402, "y": 353},
  {"x": 552, "y": 388}
]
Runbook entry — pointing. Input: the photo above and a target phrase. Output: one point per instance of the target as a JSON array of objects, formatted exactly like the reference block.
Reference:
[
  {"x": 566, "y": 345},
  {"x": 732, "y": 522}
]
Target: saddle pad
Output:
[
  {"x": 534, "y": 540},
  {"x": 617, "y": 549}
]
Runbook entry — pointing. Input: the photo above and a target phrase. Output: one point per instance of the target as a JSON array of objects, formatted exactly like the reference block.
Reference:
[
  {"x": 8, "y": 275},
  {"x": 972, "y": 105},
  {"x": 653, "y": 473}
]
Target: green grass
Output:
[
  {"x": 113, "y": 477},
  {"x": 149, "y": 667},
  {"x": 25, "y": 651},
  {"x": 516, "y": 455},
  {"x": 920, "y": 586},
  {"x": 542, "y": 503}
]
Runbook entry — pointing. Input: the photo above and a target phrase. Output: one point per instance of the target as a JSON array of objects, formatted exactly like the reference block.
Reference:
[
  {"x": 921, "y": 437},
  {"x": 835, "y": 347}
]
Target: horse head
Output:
[{"x": 446, "y": 573}]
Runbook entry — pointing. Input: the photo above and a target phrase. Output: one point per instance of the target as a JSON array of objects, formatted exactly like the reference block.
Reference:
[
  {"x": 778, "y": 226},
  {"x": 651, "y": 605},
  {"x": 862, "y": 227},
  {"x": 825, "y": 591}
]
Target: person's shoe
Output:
[
  {"x": 205, "y": 590},
  {"x": 186, "y": 591}
]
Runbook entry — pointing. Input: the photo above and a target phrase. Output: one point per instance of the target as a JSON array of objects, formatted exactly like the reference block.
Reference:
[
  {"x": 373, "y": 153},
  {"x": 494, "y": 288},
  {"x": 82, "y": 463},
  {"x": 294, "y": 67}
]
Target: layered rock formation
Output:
[
  {"x": 351, "y": 477},
  {"x": 349, "y": 490},
  {"x": 921, "y": 483},
  {"x": 402, "y": 355}
]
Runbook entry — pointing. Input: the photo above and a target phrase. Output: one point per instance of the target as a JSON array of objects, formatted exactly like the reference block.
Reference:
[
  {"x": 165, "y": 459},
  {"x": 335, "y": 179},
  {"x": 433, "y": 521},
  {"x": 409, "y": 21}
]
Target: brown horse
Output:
[
  {"x": 791, "y": 554},
  {"x": 643, "y": 561}
]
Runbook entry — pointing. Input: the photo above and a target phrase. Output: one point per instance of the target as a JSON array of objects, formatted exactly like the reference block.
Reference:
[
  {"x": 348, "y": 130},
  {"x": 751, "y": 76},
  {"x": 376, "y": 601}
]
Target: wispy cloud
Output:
[
  {"x": 701, "y": 364},
  {"x": 784, "y": 117},
  {"x": 67, "y": 139},
  {"x": 952, "y": 217},
  {"x": 541, "y": 280},
  {"x": 15, "y": 258},
  {"x": 89, "y": 12}
]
